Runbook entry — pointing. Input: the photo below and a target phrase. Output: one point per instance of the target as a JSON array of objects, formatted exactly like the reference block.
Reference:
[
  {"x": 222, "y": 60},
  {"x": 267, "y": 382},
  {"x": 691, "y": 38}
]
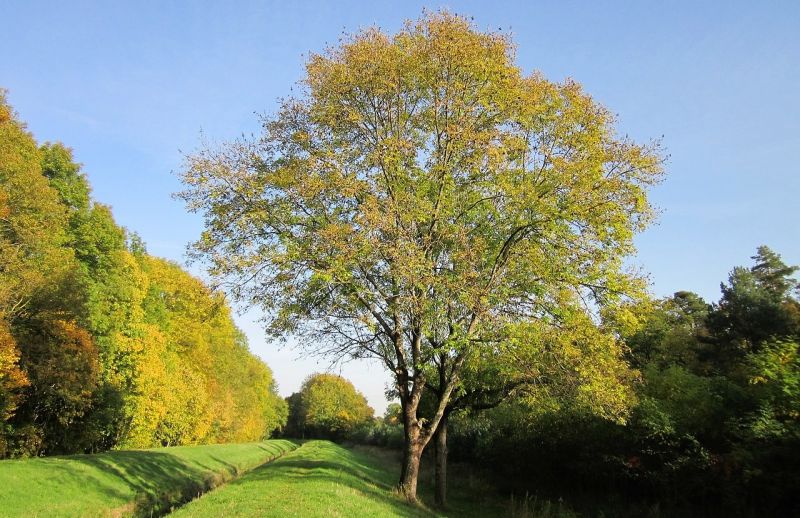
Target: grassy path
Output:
[
  {"x": 318, "y": 479},
  {"x": 322, "y": 479},
  {"x": 123, "y": 483}
]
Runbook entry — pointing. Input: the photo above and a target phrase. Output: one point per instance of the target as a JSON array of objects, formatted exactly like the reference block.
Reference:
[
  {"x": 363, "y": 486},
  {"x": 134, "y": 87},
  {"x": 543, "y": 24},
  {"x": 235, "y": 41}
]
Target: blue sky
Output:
[{"x": 130, "y": 85}]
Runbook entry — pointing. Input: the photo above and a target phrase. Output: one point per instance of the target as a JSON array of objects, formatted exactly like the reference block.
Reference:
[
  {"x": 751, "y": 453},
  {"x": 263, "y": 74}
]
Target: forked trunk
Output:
[
  {"x": 441, "y": 463},
  {"x": 417, "y": 436}
]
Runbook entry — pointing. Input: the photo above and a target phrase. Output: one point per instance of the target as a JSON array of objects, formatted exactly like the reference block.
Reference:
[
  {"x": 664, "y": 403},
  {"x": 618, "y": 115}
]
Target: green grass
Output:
[
  {"x": 323, "y": 479},
  {"x": 123, "y": 483}
]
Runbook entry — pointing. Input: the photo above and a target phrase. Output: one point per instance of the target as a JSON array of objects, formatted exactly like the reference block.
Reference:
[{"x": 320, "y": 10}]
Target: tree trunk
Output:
[
  {"x": 441, "y": 463},
  {"x": 405, "y": 458},
  {"x": 411, "y": 458},
  {"x": 417, "y": 435}
]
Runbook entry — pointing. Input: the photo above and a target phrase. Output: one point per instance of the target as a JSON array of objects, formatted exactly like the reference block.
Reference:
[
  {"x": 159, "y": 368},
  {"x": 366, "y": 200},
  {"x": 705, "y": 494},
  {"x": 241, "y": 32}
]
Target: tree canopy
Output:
[
  {"x": 327, "y": 406},
  {"x": 422, "y": 200}
]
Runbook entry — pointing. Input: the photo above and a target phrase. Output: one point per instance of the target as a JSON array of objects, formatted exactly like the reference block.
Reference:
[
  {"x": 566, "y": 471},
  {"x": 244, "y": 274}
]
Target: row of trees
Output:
[
  {"x": 101, "y": 344},
  {"x": 715, "y": 426}
]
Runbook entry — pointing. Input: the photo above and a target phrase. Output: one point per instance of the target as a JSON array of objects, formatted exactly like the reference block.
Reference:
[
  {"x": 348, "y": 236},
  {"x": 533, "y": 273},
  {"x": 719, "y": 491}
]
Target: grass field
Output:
[
  {"x": 322, "y": 479},
  {"x": 316, "y": 479},
  {"x": 123, "y": 483}
]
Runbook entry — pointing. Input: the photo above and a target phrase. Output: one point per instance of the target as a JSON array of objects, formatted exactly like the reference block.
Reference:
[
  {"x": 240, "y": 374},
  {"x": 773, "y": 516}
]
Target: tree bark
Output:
[
  {"x": 418, "y": 433},
  {"x": 405, "y": 453},
  {"x": 411, "y": 459},
  {"x": 441, "y": 463}
]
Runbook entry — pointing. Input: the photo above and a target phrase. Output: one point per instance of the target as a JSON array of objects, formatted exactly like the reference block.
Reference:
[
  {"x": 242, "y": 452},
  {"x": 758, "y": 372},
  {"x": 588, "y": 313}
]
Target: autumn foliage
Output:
[
  {"x": 425, "y": 202},
  {"x": 329, "y": 407},
  {"x": 101, "y": 344}
]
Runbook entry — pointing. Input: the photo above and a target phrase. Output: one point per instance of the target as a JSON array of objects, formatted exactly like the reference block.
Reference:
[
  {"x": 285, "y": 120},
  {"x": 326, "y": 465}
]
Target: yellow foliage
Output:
[{"x": 12, "y": 379}]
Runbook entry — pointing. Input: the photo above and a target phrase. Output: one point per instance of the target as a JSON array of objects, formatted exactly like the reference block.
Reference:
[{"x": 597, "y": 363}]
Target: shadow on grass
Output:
[
  {"x": 162, "y": 484},
  {"x": 159, "y": 481},
  {"x": 133, "y": 482},
  {"x": 339, "y": 467}
]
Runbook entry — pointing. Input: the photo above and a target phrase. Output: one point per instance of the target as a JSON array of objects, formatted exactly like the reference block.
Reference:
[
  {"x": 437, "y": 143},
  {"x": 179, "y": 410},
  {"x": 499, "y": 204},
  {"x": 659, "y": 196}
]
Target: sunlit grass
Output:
[
  {"x": 322, "y": 479},
  {"x": 125, "y": 482},
  {"x": 318, "y": 479}
]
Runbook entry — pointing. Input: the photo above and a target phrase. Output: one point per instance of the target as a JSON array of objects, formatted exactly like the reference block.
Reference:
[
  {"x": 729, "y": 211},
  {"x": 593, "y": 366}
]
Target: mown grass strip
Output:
[
  {"x": 125, "y": 483},
  {"x": 318, "y": 479},
  {"x": 323, "y": 479}
]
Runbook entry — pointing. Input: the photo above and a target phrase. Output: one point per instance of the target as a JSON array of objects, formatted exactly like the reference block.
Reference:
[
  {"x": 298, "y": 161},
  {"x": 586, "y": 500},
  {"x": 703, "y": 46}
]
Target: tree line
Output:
[
  {"x": 714, "y": 427},
  {"x": 101, "y": 344}
]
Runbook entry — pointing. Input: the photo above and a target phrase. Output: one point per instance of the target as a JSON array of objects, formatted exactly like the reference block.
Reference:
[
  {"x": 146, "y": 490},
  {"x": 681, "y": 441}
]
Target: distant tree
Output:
[
  {"x": 775, "y": 371},
  {"x": 106, "y": 288},
  {"x": 673, "y": 332},
  {"x": 41, "y": 299},
  {"x": 393, "y": 414},
  {"x": 757, "y": 304},
  {"x": 32, "y": 222},
  {"x": 773, "y": 275},
  {"x": 328, "y": 406},
  {"x": 296, "y": 421},
  {"x": 63, "y": 366},
  {"x": 419, "y": 202},
  {"x": 65, "y": 177}
]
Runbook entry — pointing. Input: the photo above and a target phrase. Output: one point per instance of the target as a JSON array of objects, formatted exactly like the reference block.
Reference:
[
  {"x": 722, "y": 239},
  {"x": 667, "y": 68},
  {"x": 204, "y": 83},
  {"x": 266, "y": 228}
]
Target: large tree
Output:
[{"x": 420, "y": 202}]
